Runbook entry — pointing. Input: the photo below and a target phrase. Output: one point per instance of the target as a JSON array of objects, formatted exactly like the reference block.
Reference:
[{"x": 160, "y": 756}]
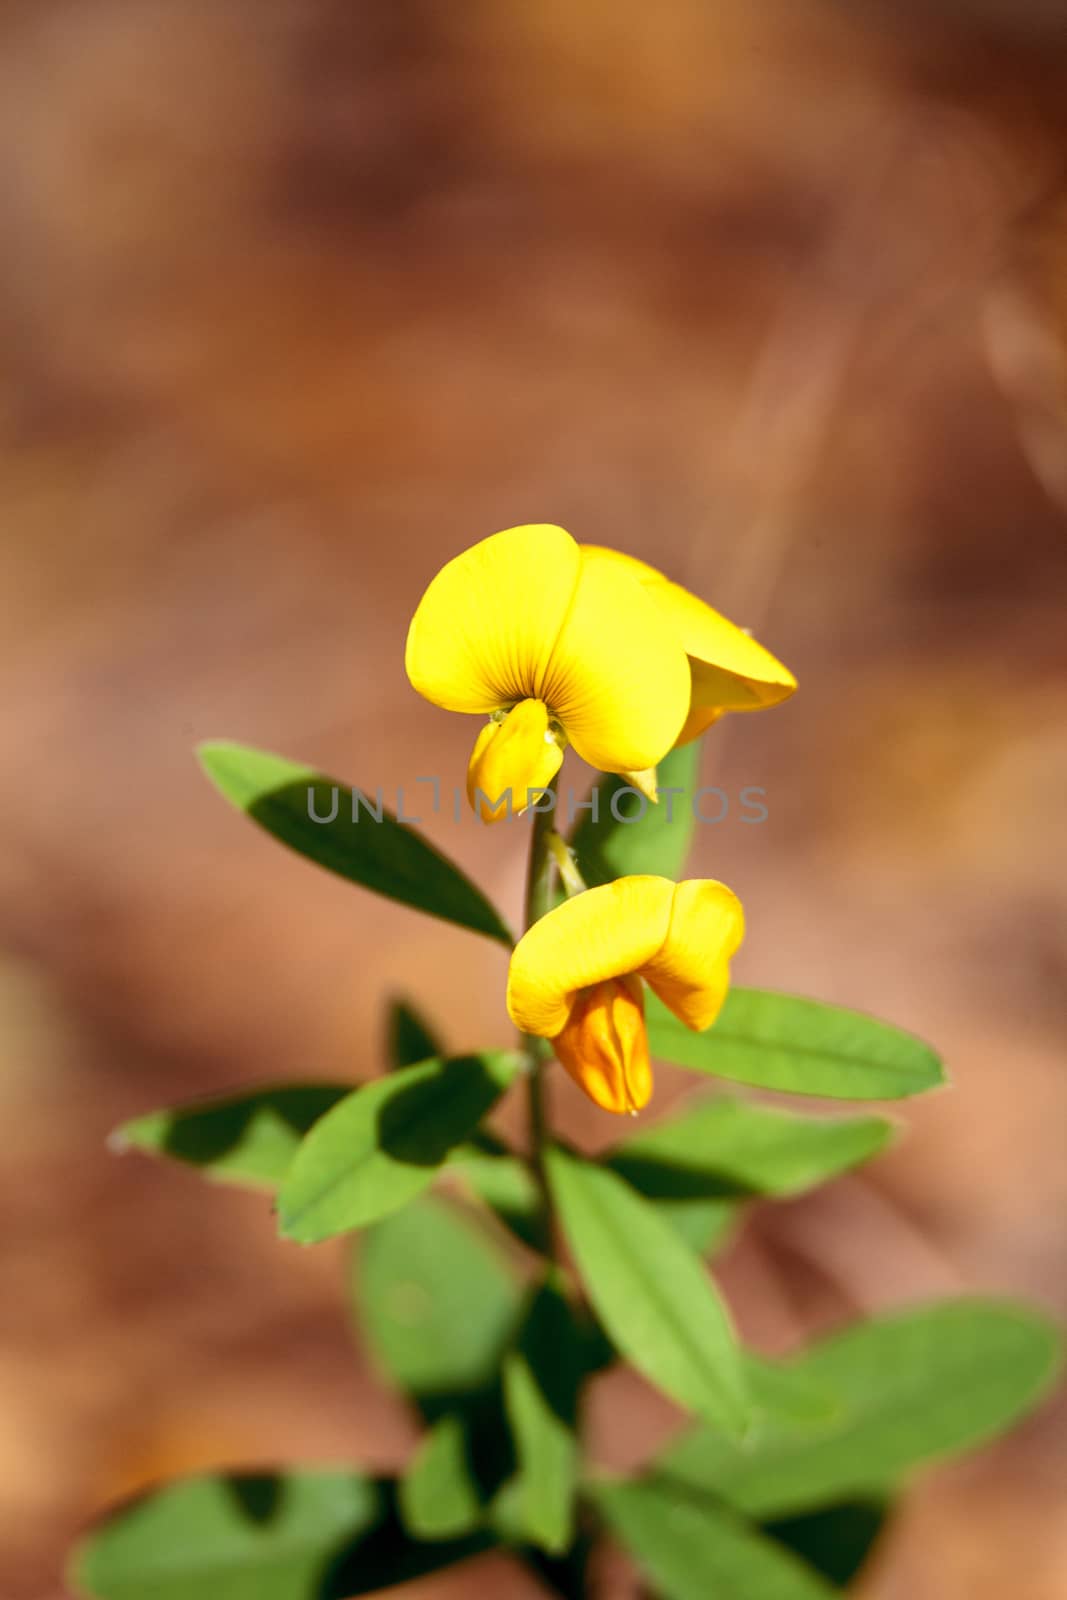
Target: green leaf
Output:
[
  {"x": 381, "y": 1145},
  {"x": 779, "y": 1041},
  {"x": 706, "y": 1226},
  {"x": 248, "y": 1139},
  {"x": 542, "y": 1375},
  {"x": 410, "y": 1038},
  {"x": 720, "y": 1148},
  {"x": 785, "y": 1395},
  {"x": 650, "y": 1291},
  {"x": 692, "y": 1548},
  {"x": 384, "y": 855},
  {"x": 649, "y": 838},
  {"x": 438, "y": 1495},
  {"x": 910, "y": 1388},
  {"x": 298, "y": 1535},
  {"x": 503, "y": 1183},
  {"x": 437, "y": 1302}
]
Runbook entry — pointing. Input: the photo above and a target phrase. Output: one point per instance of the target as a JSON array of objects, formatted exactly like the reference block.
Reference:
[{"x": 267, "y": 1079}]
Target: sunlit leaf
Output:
[
  {"x": 248, "y": 1139},
  {"x": 542, "y": 1375},
  {"x": 438, "y": 1495},
  {"x": 910, "y": 1388},
  {"x": 632, "y": 835},
  {"x": 779, "y": 1041},
  {"x": 651, "y": 1292},
  {"x": 727, "y": 1148},
  {"x": 379, "y": 1146},
  {"x": 437, "y": 1302},
  {"x": 297, "y": 1535},
  {"x": 693, "y": 1548},
  {"x": 383, "y": 855},
  {"x": 784, "y": 1394}
]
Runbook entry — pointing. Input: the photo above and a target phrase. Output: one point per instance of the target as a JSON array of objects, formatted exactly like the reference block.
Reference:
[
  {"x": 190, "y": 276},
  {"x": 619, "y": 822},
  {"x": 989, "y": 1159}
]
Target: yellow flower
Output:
[
  {"x": 554, "y": 646},
  {"x": 730, "y": 670},
  {"x": 575, "y": 976}
]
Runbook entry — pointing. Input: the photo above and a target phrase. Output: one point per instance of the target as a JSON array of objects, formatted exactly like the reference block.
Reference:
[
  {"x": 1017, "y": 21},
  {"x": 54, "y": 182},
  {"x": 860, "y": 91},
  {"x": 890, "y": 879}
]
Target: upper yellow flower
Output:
[
  {"x": 554, "y": 646},
  {"x": 730, "y": 670},
  {"x": 575, "y": 976}
]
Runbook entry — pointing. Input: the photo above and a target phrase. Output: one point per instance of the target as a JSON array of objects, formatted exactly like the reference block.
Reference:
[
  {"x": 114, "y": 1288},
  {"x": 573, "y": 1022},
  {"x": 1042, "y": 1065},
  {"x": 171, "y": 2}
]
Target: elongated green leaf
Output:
[
  {"x": 410, "y": 1038},
  {"x": 298, "y": 1535},
  {"x": 437, "y": 1301},
  {"x": 542, "y": 1375},
  {"x": 631, "y": 835},
  {"x": 779, "y": 1041},
  {"x": 784, "y": 1395},
  {"x": 910, "y": 1388},
  {"x": 248, "y": 1139},
  {"x": 383, "y": 855},
  {"x": 650, "y": 1291},
  {"x": 723, "y": 1147},
  {"x": 438, "y": 1495},
  {"x": 693, "y": 1548},
  {"x": 379, "y": 1146}
]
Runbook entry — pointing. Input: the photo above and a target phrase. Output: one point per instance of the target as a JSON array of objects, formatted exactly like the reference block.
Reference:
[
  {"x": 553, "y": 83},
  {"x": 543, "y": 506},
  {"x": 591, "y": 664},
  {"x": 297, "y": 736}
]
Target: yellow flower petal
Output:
[
  {"x": 731, "y": 671},
  {"x": 604, "y": 1046},
  {"x": 691, "y": 970},
  {"x": 699, "y": 720},
  {"x": 485, "y": 630},
  {"x": 618, "y": 679},
  {"x": 605, "y": 932},
  {"x": 512, "y": 756}
]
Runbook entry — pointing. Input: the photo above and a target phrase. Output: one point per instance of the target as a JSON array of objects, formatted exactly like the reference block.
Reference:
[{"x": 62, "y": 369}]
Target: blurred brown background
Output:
[{"x": 299, "y": 297}]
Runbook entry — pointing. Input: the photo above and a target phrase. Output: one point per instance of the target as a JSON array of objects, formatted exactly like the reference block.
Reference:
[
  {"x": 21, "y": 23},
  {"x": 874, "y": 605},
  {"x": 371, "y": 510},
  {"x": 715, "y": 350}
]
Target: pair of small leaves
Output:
[
  {"x": 339, "y": 1158},
  {"x": 910, "y": 1388},
  {"x": 291, "y": 1535},
  {"x": 449, "y": 1323}
]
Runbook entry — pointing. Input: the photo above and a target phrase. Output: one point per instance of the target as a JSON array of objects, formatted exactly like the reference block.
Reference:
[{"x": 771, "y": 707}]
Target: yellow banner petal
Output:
[
  {"x": 486, "y": 628},
  {"x": 618, "y": 679},
  {"x": 605, "y": 932}
]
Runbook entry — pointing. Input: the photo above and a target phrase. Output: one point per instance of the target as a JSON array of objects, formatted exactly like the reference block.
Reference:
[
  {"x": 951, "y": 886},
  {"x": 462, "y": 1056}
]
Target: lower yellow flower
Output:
[{"x": 575, "y": 976}]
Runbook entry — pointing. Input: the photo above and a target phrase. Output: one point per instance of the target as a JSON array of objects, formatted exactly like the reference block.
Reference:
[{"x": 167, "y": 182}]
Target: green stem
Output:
[{"x": 539, "y": 875}]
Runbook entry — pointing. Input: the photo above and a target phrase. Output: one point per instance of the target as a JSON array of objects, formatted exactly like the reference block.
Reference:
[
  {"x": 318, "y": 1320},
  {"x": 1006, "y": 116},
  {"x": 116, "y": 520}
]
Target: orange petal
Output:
[{"x": 604, "y": 1045}]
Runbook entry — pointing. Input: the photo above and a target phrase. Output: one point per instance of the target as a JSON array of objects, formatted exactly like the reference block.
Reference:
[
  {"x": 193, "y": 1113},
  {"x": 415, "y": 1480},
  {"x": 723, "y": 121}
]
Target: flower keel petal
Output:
[
  {"x": 618, "y": 679},
  {"x": 513, "y": 758},
  {"x": 604, "y": 1046}
]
